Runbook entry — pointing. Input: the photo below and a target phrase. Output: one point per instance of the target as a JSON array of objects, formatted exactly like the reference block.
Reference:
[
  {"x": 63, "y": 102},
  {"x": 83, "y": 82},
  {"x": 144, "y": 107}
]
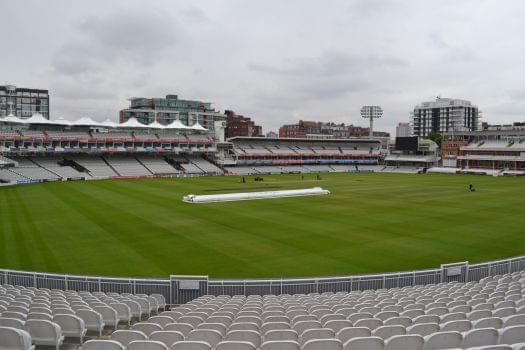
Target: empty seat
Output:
[
  {"x": 235, "y": 345},
  {"x": 385, "y": 332},
  {"x": 458, "y": 326},
  {"x": 348, "y": 333},
  {"x": 405, "y": 342},
  {"x": 209, "y": 336},
  {"x": 220, "y": 327},
  {"x": 270, "y": 326},
  {"x": 92, "y": 319},
  {"x": 109, "y": 315},
  {"x": 252, "y": 337},
  {"x": 423, "y": 329},
  {"x": 161, "y": 320},
  {"x": 317, "y": 333},
  {"x": 146, "y": 327},
  {"x": 365, "y": 343},
  {"x": 480, "y": 337},
  {"x": 15, "y": 339},
  {"x": 370, "y": 323},
  {"x": 280, "y": 345},
  {"x": 45, "y": 332},
  {"x": 398, "y": 321},
  {"x": 337, "y": 325},
  {"x": 71, "y": 326},
  {"x": 125, "y": 336},
  {"x": 248, "y": 326},
  {"x": 514, "y": 320},
  {"x": 102, "y": 345},
  {"x": 323, "y": 344},
  {"x": 443, "y": 340},
  {"x": 281, "y": 334},
  {"x": 512, "y": 335},
  {"x": 489, "y": 322},
  {"x": 184, "y": 328},
  {"x": 167, "y": 337},
  {"x": 123, "y": 312},
  {"x": 146, "y": 345},
  {"x": 11, "y": 322},
  {"x": 191, "y": 345}
]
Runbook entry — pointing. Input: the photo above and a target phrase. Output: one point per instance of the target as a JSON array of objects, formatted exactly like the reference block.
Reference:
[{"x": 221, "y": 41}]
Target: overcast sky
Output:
[{"x": 277, "y": 61}]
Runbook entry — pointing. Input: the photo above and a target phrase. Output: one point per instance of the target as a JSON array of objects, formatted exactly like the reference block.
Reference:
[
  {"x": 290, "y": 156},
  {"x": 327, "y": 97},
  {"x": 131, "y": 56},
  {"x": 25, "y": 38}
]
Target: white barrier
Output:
[{"x": 229, "y": 197}]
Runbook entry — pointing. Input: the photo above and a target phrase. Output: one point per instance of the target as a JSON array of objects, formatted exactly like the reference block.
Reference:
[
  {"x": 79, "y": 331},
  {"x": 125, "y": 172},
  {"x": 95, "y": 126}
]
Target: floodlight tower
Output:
[{"x": 371, "y": 112}]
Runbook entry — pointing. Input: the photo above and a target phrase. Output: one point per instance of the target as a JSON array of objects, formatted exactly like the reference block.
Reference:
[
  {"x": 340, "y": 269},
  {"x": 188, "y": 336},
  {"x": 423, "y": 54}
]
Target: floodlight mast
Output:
[{"x": 371, "y": 112}]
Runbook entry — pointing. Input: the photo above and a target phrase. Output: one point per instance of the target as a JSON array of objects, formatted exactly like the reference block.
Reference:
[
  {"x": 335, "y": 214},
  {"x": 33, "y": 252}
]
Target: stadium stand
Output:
[
  {"x": 52, "y": 164},
  {"x": 32, "y": 171},
  {"x": 204, "y": 165},
  {"x": 96, "y": 166},
  {"x": 489, "y": 313},
  {"x": 157, "y": 165},
  {"x": 126, "y": 166}
]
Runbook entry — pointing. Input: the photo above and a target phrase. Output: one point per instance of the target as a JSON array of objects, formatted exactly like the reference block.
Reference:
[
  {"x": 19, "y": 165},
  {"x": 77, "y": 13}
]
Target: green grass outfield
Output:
[{"x": 370, "y": 223}]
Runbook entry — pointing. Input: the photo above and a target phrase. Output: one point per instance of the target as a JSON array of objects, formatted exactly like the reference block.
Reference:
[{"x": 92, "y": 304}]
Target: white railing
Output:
[{"x": 181, "y": 289}]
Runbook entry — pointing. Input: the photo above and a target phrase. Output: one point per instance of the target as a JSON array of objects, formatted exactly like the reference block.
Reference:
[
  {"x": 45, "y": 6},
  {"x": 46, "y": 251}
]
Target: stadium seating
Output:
[
  {"x": 126, "y": 166},
  {"x": 96, "y": 166},
  {"x": 157, "y": 165},
  {"x": 453, "y": 315}
]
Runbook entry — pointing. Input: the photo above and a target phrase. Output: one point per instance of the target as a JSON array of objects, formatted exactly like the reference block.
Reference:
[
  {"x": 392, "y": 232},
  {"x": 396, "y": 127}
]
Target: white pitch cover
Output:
[{"x": 229, "y": 197}]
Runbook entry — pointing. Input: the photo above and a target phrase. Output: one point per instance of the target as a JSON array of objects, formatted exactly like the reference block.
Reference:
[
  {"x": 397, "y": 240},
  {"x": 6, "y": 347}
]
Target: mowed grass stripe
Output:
[{"x": 370, "y": 223}]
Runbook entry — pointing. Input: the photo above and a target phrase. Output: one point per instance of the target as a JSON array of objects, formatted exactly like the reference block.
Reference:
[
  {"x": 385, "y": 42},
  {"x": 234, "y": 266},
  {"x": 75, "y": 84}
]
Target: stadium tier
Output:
[{"x": 488, "y": 313}]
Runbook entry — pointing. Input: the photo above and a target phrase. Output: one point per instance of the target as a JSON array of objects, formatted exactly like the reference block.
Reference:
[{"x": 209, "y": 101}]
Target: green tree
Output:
[{"x": 436, "y": 137}]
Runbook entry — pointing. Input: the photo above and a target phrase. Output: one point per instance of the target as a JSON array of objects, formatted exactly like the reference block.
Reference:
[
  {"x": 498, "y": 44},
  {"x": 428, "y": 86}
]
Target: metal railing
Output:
[{"x": 181, "y": 289}]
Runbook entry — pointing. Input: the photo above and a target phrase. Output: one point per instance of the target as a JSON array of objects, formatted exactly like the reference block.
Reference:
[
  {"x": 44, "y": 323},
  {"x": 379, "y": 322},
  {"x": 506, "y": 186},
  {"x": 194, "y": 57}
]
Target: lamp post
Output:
[{"x": 371, "y": 112}]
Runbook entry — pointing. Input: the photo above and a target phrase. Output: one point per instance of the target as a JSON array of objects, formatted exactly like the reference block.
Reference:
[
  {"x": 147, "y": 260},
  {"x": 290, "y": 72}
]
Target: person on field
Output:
[{"x": 471, "y": 188}]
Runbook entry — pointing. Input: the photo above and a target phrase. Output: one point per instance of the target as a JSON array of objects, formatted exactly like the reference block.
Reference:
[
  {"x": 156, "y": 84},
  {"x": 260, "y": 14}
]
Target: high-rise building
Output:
[
  {"x": 166, "y": 110},
  {"x": 444, "y": 115},
  {"x": 238, "y": 125},
  {"x": 23, "y": 102},
  {"x": 403, "y": 130},
  {"x": 310, "y": 129}
]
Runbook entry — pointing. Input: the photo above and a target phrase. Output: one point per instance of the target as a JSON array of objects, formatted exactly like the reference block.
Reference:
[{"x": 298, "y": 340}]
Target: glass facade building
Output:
[
  {"x": 166, "y": 110},
  {"x": 23, "y": 102}
]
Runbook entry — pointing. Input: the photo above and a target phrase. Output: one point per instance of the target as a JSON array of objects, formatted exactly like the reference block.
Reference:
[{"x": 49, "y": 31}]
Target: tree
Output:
[{"x": 436, "y": 137}]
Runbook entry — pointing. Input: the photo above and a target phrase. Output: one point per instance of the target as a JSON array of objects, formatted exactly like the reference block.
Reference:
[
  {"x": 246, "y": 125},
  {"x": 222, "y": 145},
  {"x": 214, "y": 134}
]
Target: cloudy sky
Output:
[{"x": 274, "y": 60}]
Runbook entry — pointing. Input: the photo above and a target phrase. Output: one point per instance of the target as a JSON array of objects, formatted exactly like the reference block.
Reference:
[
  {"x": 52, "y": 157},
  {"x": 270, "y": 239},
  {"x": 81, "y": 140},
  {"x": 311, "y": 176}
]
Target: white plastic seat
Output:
[
  {"x": 146, "y": 327},
  {"x": 480, "y": 337},
  {"x": 102, "y": 345},
  {"x": 125, "y": 336},
  {"x": 301, "y": 326},
  {"x": 316, "y": 333},
  {"x": 12, "y": 322},
  {"x": 514, "y": 320},
  {"x": 458, "y": 326},
  {"x": 209, "y": 336},
  {"x": 92, "y": 319},
  {"x": 252, "y": 337},
  {"x": 190, "y": 345},
  {"x": 45, "y": 332},
  {"x": 281, "y": 334},
  {"x": 398, "y": 321},
  {"x": 426, "y": 319},
  {"x": 219, "y": 327},
  {"x": 504, "y": 312},
  {"x": 478, "y": 314},
  {"x": 280, "y": 345},
  {"x": 359, "y": 316},
  {"x": 15, "y": 339},
  {"x": 348, "y": 333},
  {"x": 193, "y": 320},
  {"x": 175, "y": 315},
  {"x": 364, "y": 343},
  {"x": 337, "y": 325},
  {"x": 146, "y": 345},
  {"x": 270, "y": 326},
  {"x": 39, "y": 316},
  {"x": 161, "y": 320},
  {"x": 512, "y": 335},
  {"x": 423, "y": 329},
  {"x": 370, "y": 323},
  {"x": 123, "y": 312},
  {"x": 489, "y": 322},
  {"x": 385, "y": 332},
  {"x": 168, "y": 338},
  {"x": 235, "y": 345},
  {"x": 244, "y": 326},
  {"x": 323, "y": 344},
  {"x": 14, "y": 314},
  {"x": 405, "y": 342},
  {"x": 184, "y": 328},
  {"x": 109, "y": 315},
  {"x": 443, "y": 340},
  {"x": 71, "y": 326}
]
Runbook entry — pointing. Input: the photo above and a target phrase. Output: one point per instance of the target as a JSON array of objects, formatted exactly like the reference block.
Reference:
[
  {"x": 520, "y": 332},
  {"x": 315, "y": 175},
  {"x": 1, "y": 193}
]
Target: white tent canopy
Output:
[{"x": 86, "y": 121}]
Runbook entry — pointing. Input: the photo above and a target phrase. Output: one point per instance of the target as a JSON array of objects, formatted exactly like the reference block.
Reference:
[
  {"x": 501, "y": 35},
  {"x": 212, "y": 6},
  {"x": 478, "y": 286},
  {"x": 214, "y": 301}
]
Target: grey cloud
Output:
[{"x": 138, "y": 37}]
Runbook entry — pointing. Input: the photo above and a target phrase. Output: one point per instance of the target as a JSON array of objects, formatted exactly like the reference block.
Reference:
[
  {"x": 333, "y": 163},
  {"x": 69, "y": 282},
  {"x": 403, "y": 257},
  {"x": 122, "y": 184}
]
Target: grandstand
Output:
[
  {"x": 488, "y": 313},
  {"x": 126, "y": 166}
]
